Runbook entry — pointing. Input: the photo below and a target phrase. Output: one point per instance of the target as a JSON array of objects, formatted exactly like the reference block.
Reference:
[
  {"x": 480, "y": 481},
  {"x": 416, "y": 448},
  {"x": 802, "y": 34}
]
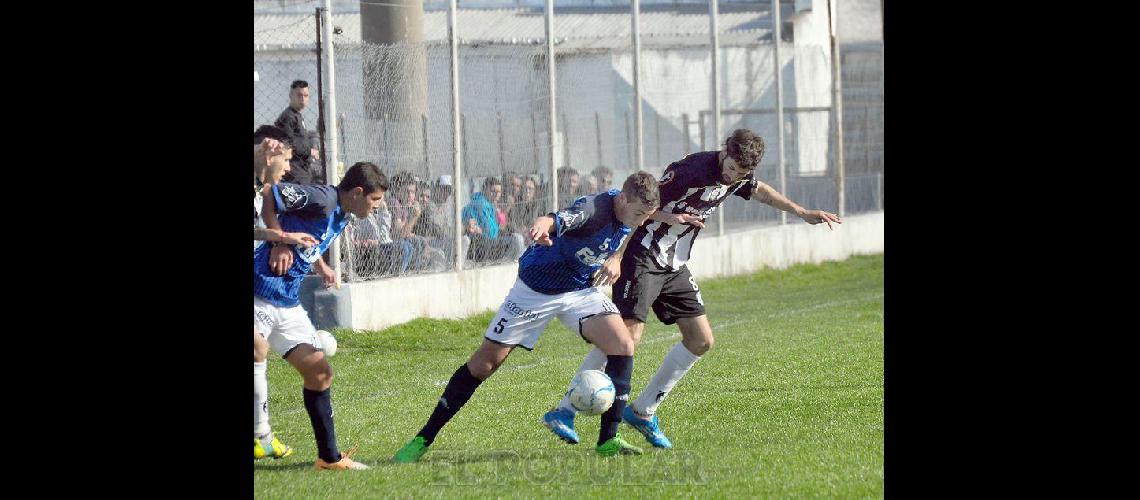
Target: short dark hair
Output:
[
  {"x": 745, "y": 148},
  {"x": 299, "y": 83},
  {"x": 601, "y": 171},
  {"x": 491, "y": 181},
  {"x": 642, "y": 186},
  {"x": 364, "y": 175},
  {"x": 271, "y": 132}
]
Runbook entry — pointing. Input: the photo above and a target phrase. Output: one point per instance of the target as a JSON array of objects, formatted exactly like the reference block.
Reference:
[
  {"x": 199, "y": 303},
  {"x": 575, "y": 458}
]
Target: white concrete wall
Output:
[
  {"x": 384, "y": 303},
  {"x": 782, "y": 246}
]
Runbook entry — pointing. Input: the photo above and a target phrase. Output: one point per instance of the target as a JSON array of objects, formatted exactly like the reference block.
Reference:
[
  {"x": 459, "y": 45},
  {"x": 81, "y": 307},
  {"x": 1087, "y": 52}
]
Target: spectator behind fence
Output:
[
  {"x": 302, "y": 166},
  {"x": 588, "y": 186},
  {"x": 567, "y": 186},
  {"x": 437, "y": 223},
  {"x": 512, "y": 190},
  {"x": 406, "y": 213},
  {"x": 375, "y": 253},
  {"x": 605, "y": 177},
  {"x": 489, "y": 241},
  {"x": 523, "y": 214},
  {"x": 428, "y": 227}
]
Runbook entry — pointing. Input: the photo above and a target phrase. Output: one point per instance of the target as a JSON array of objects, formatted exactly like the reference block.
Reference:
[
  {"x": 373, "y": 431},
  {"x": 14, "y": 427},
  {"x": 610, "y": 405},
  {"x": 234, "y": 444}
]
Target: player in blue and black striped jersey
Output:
[
  {"x": 557, "y": 279},
  {"x": 322, "y": 212}
]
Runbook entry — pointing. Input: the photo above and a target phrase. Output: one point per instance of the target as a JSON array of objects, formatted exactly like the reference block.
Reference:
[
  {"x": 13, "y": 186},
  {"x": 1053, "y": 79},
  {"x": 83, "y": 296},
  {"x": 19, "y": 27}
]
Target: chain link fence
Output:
[
  {"x": 286, "y": 50},
  {"x": 394, "y": 108},
  {"x": 862, "y": 70}
]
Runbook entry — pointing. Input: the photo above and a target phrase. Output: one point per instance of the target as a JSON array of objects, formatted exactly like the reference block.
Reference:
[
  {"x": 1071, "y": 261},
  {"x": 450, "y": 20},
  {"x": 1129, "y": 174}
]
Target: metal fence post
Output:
[
  {"x": 548, "y": 11},
  {"x": 714, "y": 37},
  {"x": 638, "y": 126},
  {"x": 456, "y": 141},
  {"x": 332, "y": 173},
  {"x": 837, "y": 111},
  {"x": 779, "y": 106}
]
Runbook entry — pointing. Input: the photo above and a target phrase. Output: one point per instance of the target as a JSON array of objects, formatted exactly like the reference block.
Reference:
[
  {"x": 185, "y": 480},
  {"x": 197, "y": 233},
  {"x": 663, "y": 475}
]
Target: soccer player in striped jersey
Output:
[
  {"x": 322, "y": 212},
  {"x": 270, "y": 162},
  {"x": 557, "y": 279},
  {"x": 653, "y": 273}
]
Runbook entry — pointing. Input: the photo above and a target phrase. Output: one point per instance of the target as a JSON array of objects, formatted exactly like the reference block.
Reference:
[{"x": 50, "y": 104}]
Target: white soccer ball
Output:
[
  {"x": 592, "y": 392},
  {"x": 328, "y": 341}
]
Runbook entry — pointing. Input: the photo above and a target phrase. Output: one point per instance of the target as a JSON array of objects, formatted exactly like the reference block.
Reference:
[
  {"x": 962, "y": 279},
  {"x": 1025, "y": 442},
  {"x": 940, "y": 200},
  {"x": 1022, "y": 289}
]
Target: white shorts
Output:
[
  {"x": 526, "y": 312},
  {"x": 284, "y": 327}
]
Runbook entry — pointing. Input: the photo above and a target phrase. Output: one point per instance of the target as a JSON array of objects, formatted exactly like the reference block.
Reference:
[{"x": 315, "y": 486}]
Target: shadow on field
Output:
[{"x": 271, "y": 467}]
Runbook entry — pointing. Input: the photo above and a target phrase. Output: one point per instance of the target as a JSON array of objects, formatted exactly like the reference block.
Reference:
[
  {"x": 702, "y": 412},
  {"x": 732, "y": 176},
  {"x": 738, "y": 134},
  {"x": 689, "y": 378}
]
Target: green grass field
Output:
[{"x": 789, "y": 402}]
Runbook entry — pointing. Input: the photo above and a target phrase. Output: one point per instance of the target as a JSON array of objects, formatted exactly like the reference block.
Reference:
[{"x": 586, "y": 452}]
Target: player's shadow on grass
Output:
[
  {"x": 259, "y": 467},
  {"x": 378, "y": 463}
]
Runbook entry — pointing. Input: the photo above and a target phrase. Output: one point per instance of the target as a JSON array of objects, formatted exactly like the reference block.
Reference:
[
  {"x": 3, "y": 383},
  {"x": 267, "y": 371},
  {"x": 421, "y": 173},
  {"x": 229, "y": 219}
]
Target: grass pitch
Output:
[{"x": 789, "y": 402}]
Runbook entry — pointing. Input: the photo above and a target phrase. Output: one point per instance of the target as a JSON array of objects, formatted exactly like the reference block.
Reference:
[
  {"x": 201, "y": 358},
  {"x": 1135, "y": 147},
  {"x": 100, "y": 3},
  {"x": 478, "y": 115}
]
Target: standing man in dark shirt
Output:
[{"x": 302, "y": 168}]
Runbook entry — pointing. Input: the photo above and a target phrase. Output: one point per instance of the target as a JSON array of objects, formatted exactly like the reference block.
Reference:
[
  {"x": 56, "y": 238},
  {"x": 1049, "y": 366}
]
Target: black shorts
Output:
[{"x": 644, "y": 283}]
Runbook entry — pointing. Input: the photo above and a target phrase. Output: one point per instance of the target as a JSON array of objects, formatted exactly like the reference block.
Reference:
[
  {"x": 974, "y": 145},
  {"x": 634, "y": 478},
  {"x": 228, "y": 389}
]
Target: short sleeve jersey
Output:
[
  {"x": 587, "y": 232},
  {"x": 689, "y": 186},
  {"x": 312, "y": 209}
]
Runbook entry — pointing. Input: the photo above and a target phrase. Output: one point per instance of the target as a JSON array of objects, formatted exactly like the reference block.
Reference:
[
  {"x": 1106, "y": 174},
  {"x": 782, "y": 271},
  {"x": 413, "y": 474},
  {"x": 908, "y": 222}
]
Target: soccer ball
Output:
[
  {"x": 591, "y": 392},
  {"x": 328, "y": 341}
]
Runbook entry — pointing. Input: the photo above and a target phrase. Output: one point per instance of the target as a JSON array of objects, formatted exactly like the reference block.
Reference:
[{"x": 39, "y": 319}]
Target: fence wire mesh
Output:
[
  {"x": 286, "y": 51},
  {"x": 394, "y": 109}
]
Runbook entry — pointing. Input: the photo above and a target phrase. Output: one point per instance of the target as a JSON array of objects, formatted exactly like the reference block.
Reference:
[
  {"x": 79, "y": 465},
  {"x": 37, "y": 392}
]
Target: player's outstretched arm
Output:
[
  {"x": 306, "y": 240},
  {"x": 767, "y": 195},
  {"x": 540, "y": 230}
]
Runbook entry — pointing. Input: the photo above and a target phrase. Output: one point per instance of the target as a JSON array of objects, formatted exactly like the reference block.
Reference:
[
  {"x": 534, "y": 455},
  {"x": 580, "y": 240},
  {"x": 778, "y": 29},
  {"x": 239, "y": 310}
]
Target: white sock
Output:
[
  {"x": 594, "y": 360},
  {"x": 260, "y": 400},
  {"x": 676, "y": 363}
]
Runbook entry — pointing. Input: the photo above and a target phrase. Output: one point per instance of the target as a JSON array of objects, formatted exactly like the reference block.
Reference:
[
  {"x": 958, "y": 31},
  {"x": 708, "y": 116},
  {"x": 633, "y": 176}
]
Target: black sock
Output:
[
  {"x": 319, "y": 406},
  {"x": 459, "y": 389},
  {"x": 620, "y": 369}
]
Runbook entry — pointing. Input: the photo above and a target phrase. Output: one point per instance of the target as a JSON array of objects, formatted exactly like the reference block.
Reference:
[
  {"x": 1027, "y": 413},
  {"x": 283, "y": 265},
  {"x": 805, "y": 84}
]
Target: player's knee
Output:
[
  {"x": 707, "y": 344},
  {"x": 636, "y": 328},
  {"x": 625, "y": 346},
  {"x": 260, "y": 350},
  {"x": 320, "y": 377},
  {"x": 699, "y": 346},
  {"x": 482, "y": 369}
]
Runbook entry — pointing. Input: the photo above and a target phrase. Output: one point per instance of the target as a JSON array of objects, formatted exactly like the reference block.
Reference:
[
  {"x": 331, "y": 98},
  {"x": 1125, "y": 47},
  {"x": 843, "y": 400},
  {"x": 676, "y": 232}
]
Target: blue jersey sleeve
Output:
[
  {"x": 574, "y": 216},
  {"x": 312, "y": 201}
]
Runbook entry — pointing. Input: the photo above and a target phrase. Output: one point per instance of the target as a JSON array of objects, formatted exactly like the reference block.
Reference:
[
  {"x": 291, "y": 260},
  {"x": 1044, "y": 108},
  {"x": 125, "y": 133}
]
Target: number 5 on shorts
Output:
[{"x": 499, "y": 326}]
